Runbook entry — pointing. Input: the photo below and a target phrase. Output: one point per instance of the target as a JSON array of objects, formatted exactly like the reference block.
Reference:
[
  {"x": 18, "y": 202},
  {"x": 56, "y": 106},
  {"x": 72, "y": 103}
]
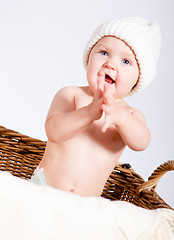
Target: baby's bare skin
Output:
[
  {"x": 83, "y": 163},
  {"x": 89, "y": 127}
]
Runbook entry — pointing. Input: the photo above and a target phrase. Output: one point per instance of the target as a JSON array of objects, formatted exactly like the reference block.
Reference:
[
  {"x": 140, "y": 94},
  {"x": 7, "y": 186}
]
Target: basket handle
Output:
[{"x": 156, "y": 175}]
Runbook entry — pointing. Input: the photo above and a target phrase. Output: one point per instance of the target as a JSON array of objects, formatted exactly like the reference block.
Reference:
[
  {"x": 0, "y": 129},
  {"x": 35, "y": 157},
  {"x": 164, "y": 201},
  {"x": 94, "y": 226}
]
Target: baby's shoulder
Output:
[
  {"x": 66, "y": 93},
  {"x": 67, "y": 89},
  {"x": 73, "y": 90}
]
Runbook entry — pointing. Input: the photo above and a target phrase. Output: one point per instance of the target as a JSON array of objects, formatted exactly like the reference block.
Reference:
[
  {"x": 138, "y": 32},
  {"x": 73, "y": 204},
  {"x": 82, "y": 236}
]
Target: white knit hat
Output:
[{"x": 141, "y": 35}]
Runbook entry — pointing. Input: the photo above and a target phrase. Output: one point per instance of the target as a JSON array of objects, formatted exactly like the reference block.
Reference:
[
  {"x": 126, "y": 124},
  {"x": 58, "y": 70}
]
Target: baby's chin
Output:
[{"x": 116, "y": 95}]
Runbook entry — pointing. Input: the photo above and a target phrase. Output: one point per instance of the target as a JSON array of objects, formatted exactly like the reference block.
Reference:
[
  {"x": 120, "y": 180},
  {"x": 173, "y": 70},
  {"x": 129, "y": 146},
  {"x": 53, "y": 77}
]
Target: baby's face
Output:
[{"x": 116, "y": 61}]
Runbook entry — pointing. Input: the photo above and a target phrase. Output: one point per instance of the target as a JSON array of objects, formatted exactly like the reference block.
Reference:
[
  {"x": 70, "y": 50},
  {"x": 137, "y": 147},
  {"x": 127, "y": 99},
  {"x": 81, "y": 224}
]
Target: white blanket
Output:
[{"x": 29, "y": 212}]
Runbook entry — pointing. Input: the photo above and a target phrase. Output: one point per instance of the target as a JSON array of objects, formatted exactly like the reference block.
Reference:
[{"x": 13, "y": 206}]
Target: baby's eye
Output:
[
  {"x": 125, "y": 61},
  {"x": 104, "y": 53}
]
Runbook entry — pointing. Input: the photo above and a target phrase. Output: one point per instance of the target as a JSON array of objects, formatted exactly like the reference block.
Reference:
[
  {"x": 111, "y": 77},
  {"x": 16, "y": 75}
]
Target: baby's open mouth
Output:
[{"x": 108, "y": 79}]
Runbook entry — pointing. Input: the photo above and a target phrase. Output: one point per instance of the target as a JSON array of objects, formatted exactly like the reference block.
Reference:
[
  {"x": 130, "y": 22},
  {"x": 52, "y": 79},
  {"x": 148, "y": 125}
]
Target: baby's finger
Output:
[
  {"x": 106, "y": 124},
  {"x": 101, "y": 82},
  {"x": 107, "y": 94},
  {"x": 106, "y": 108},
  {"x": 99, "y": 90},
  {"x": 112, "y": 89}
]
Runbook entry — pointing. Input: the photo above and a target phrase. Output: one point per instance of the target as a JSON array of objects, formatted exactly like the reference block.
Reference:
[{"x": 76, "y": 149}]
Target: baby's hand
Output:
[
  {"x": 96, "y": 105},
  {"x": 115, "y": 111},
  {"x": 107, "y": 105}
]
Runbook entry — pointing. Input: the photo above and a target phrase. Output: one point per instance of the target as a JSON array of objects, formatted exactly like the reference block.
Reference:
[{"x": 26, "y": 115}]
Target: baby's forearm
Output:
[
  {"x": 134, "y": 133},
  {"x": 63, "y": 126}
]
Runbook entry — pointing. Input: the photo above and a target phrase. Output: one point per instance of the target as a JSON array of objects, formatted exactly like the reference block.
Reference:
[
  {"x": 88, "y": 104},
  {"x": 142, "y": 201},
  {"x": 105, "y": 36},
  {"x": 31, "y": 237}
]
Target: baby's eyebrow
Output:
[
  {"x": 128, "y": 54},
  {"x": 131, "y": 55},
  {"x": 122, "y": 52},
  {"x": 101, "y": 45}
]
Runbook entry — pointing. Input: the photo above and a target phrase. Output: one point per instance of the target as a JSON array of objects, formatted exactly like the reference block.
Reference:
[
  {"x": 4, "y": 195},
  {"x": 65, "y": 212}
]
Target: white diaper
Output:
[{"x": 38, "y": 177}]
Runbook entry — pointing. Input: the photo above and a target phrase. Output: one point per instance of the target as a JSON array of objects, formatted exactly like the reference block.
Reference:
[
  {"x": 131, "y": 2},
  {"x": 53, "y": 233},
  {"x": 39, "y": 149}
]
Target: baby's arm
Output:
[
  {"x": 64, "y": 121},
  {"x": 134, "y": 131},
  {"x": 130, "y": 123}
]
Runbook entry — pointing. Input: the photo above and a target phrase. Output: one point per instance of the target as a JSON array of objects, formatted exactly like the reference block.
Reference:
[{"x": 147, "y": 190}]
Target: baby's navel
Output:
[{"x": 72, "y": 188}]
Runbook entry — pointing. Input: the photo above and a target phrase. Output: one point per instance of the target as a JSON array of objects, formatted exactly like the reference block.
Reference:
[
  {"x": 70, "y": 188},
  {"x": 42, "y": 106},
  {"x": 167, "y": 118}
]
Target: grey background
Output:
[{"x": 41, "y": 45}]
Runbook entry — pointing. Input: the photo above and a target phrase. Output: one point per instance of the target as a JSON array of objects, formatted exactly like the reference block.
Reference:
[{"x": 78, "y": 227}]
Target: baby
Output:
[{"x": 89, "y": 127}]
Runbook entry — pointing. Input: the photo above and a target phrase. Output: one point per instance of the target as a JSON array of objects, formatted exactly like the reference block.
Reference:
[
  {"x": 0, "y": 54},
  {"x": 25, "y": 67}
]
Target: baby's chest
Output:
[{"x": 108, "y": 141}]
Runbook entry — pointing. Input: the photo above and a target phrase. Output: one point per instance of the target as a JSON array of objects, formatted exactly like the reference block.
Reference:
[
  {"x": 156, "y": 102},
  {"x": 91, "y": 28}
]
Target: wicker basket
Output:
[{"x": 20, "y": 155}]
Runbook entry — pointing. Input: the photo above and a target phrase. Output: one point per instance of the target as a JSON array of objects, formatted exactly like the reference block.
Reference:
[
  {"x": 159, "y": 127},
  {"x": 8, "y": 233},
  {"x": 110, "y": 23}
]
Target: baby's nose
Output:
[{"x": 110, "y": 65}]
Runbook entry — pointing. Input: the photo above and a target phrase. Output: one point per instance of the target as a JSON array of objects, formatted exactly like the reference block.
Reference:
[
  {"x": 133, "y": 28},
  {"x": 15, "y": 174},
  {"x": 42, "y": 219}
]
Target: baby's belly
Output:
[
  {"x": 79, "y": 169},
  {"x": 80, "y": 188},
  {"x": 83, "y": 176},
  {"x": 84, "y": 182}
]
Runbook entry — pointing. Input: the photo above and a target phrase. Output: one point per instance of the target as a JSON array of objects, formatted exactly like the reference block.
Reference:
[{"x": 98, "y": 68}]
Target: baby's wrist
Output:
[
  {"x": 90, "y": 112},
  {"x": 93, "y": 112}
]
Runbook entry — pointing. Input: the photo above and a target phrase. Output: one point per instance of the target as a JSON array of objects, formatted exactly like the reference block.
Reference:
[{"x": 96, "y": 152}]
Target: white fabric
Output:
[
  {"x": 141, "y": 35},
  {"x": 38, "y": 177},
  {"x": 30, "y": 211}
]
